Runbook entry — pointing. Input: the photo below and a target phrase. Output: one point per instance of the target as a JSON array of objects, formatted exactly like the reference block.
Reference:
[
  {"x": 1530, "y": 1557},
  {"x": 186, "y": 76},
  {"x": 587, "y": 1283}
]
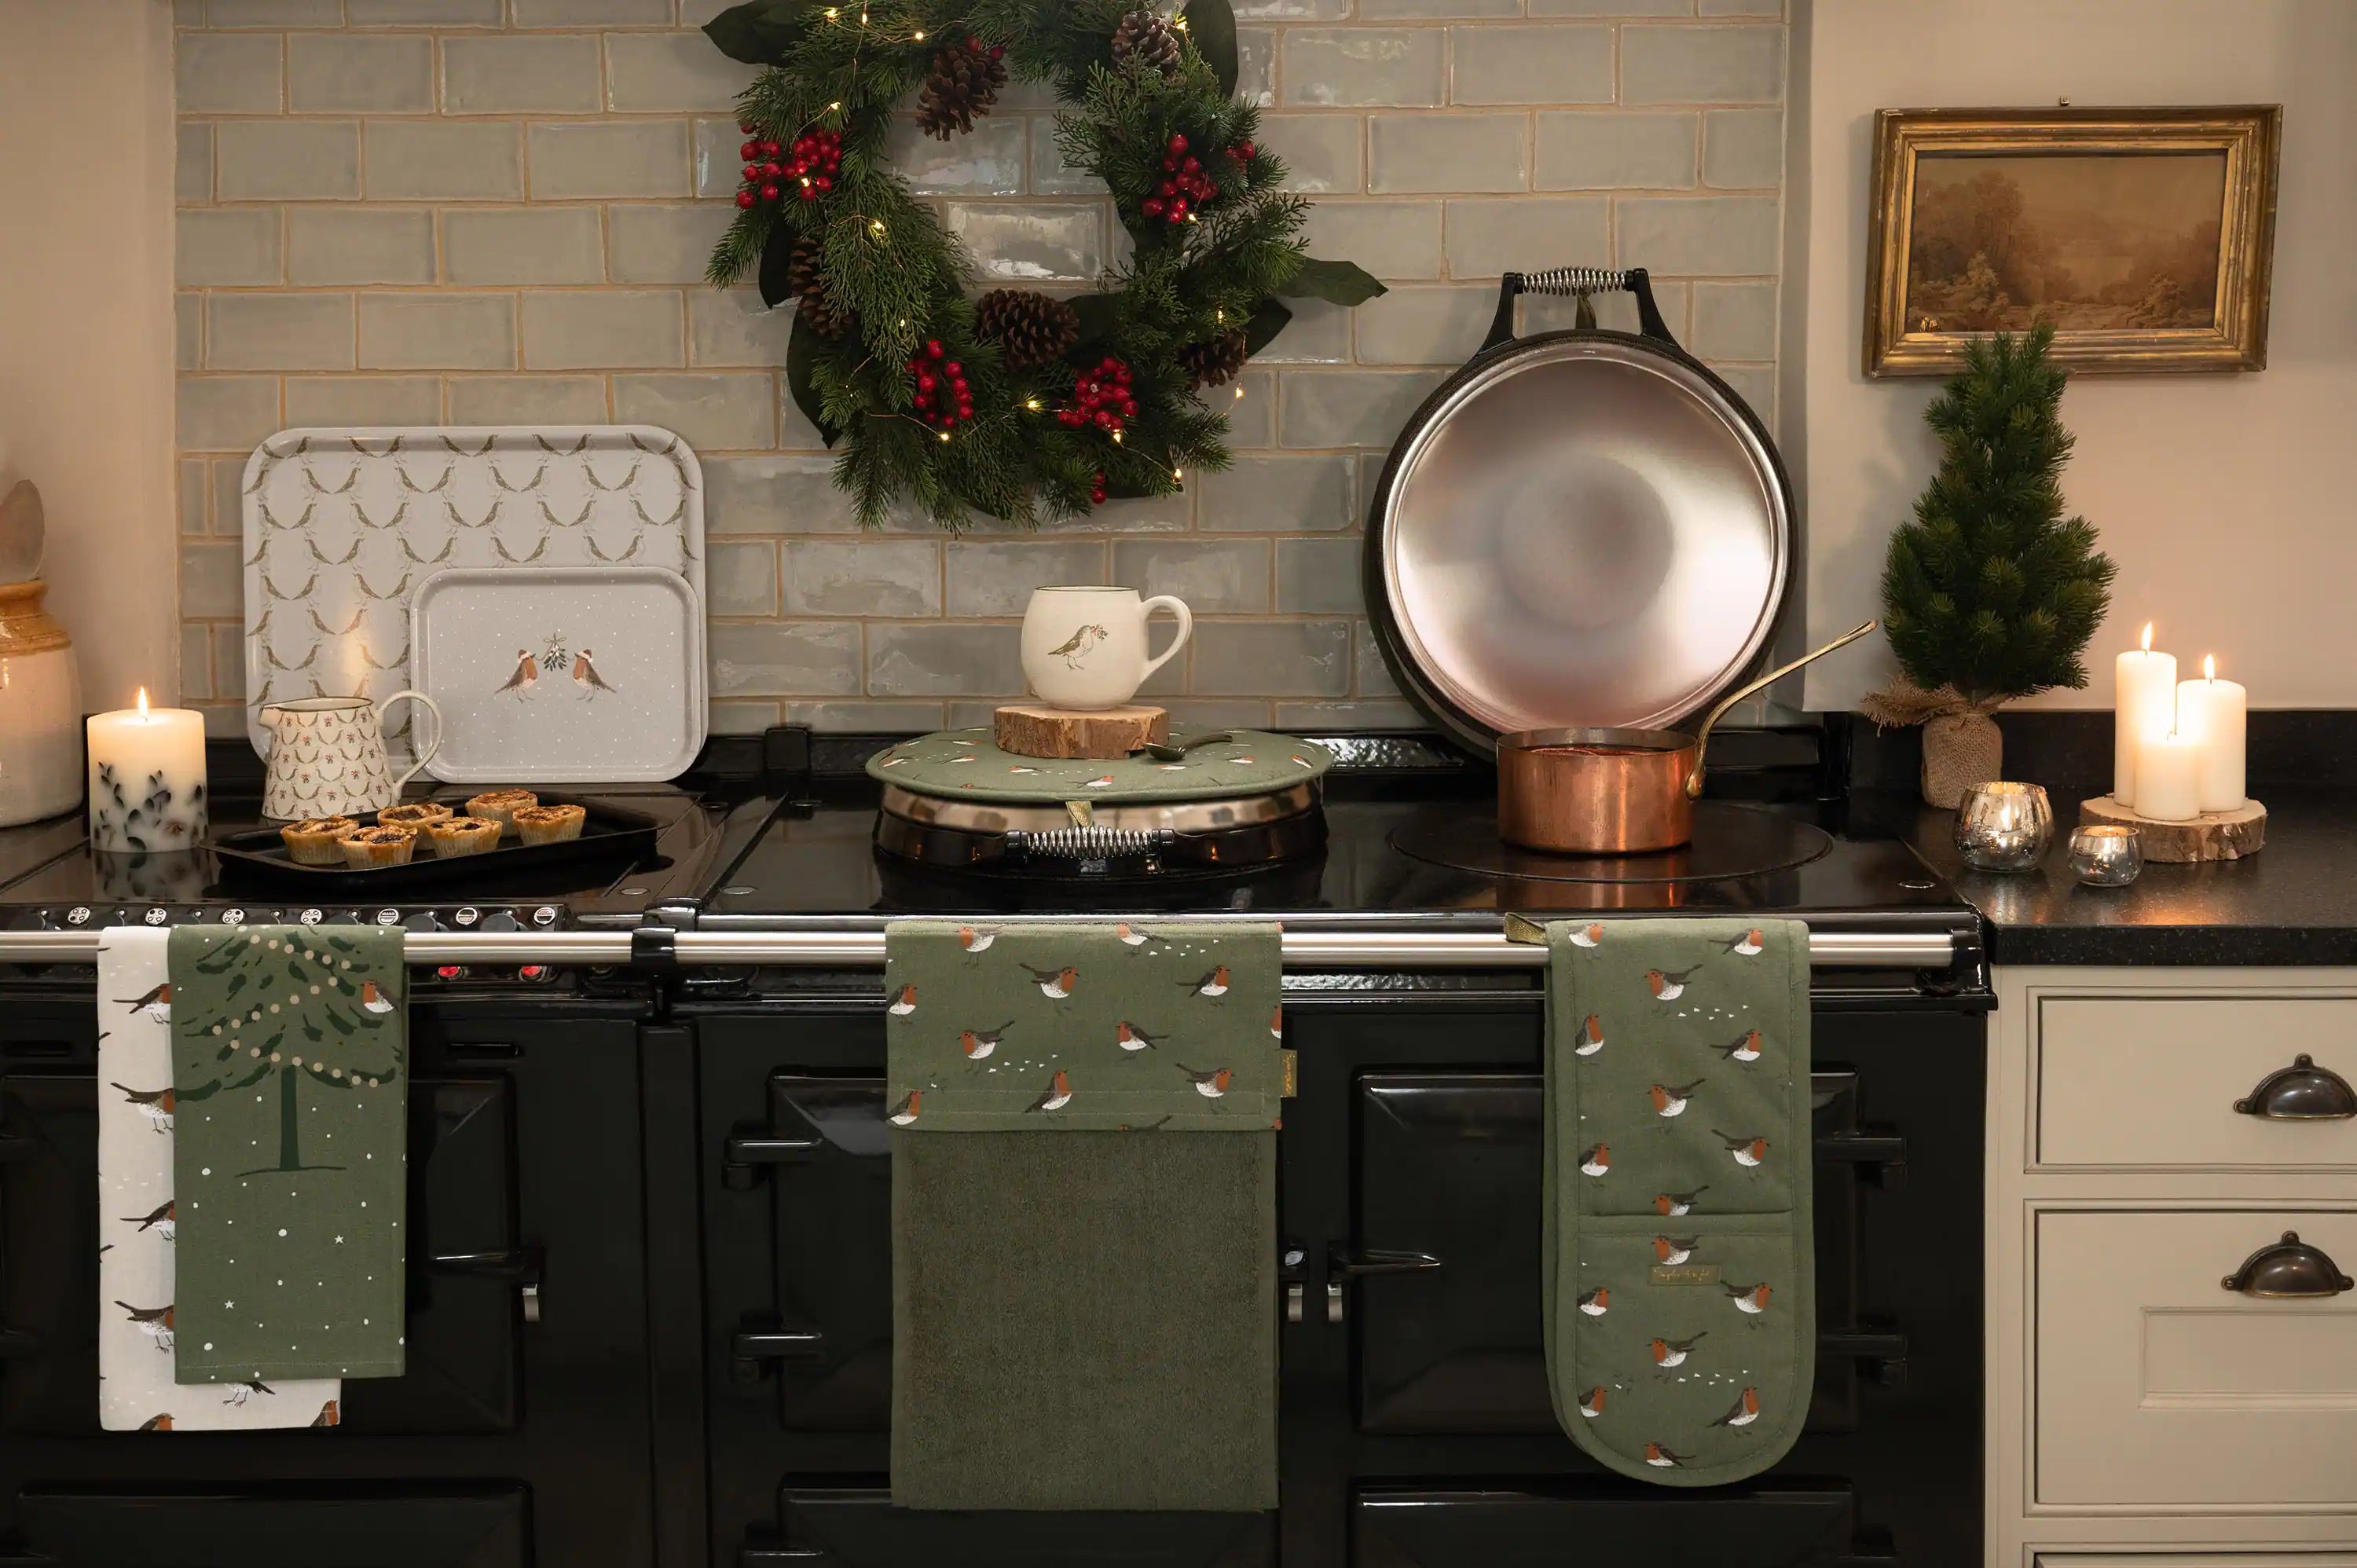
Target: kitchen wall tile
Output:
[
  {"x": 1032, "y": 242},
  {"x": 1611, "y": 148},
  {"x": 1275, "y": 659},
  {"x": 224, "y": 413},
  {"x": 1489, "y": 239},
  {"x": 228, "y": 74},
  {"x": 1256, "y": 66},
  {"x": 1552, "y": 63},
  {"x": 1706, "y": 235},
  {"x": 187, "y": 331},
  {"x": 1420, "y": 153},
  {"x": 1223, "y": 576},
  {"x": 1371, "y": 677},
  {"x": 740, "y": 577},
  {"x": 1318, "y": 576},
  {"x": 1611, "y": 7},
  {"x": 228, "y": 661},
  {"x": 1743, "y": 147},
  {"x": 213, "y": 580},
  {"x": 1323, "y": 152},
  {"x": 190, "y": 496},
  {"x": 795, "y": 432},
  {"x": 196, "y": 659},
  {"x": 1734, "y": 321},
  {"x": 717, "y": 166},
  {"x": 362, "y": 400},
  {"x": 1340, "y": 718},
  {"x": 547, "y": 74},
  {"x": 944, "y": 661},
  {"x": 711, "y": 412},
  {"x": 437, "y": 332},
  {"x": 652, "y": 72},
  {"x": 866, "y": 718},
  {"x": 1219, "y": 713},
  {"x": 571, "y": 12},
  {"x": 1276, "y": 494},
  {"x": 732, "y": 327},
  {"x": 1348, "y": 408},
  {"x": 1387, "y": 10},
  {"x": 1346, "y": 67},
  {"x": 863, "y": 577},
  {"x": 774, "y": 495},
  {"x": 278, "y": 332},
  {"x": 228, "y": 486},
  {"x": 1250, "y": 403},
  {"x": 1741, "y": 7},
  {"x": 1390, "y": 238},
  {"x": 1428, "y": 326},
  {"x": 422, "y": 13},
  {"x": 274, "y": 13},
  {"x": 994, "y": 577},
  {"x": 421, "y": 160},
  {"x": 987, "y": 161},
  {"x": 607, "y": 329},
  {"x": 356, "y": 244},
  {"x": 358, "y": 74},
  {"x": 527, "y": 400},
  {"x": 1292, "y": 10},
  {"x": 523, "y": 244},
  {"x": 282, "y": 160},
  {"x": 1051, "y": 175},
  {"x": 1161, "y": 514},
  {"x": 226, "y": 246},
  {"x": 624, "y": 157},
  {"x": 1318, "y": 334},
  {"x": 663, "y": 242},
  {"x": 1755, "y": 384},
  {"x": 783, "y": 658},
  {"x": 1702, "y": 65},
  {"x": 193, "y": 164}
]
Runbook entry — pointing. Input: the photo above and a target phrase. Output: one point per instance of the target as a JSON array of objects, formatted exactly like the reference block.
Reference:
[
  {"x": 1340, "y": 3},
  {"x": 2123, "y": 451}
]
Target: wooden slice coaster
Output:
[
  {"x": 2212, "y": 835},
  {"x": 1035, "y": 729}
]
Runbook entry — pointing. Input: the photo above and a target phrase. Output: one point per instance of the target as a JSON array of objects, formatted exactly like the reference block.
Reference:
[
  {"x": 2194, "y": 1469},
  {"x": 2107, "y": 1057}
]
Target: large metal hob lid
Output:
[{"x": 965, "y": 764}]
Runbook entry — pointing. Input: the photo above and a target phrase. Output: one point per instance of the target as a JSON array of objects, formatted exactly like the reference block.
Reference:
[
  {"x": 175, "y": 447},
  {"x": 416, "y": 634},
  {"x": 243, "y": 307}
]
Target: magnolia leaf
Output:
[
  {"x": 1268, "y": 319},
  {"x": 1212, "y": 25},
  {"x": 1338, "y": 282},
  {"x": 777, "y": 265},
  {"x": 760, "y": 32},
  {"x": 801, "y": 352}
]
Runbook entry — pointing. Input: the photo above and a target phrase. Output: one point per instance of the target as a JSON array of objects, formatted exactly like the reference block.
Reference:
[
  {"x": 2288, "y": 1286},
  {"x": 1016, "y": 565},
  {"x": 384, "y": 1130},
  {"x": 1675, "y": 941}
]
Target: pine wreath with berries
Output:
[{"x": 1018, "y": 406}]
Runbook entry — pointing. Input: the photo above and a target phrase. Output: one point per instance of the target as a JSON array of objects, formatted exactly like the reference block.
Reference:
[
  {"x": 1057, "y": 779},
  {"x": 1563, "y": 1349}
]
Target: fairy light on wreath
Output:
[{"x": 1021, "y": 403}]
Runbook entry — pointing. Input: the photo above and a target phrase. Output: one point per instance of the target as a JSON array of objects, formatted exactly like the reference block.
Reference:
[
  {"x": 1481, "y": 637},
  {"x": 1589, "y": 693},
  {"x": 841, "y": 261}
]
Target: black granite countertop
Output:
[{"x": 2295, "y": 902}]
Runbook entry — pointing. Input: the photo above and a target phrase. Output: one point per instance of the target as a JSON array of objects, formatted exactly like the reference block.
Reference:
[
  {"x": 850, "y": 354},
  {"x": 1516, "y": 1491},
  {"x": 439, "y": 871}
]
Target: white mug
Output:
[
  {"x": 327, "y": 756},
  {"x": 1085, "y": 648}
]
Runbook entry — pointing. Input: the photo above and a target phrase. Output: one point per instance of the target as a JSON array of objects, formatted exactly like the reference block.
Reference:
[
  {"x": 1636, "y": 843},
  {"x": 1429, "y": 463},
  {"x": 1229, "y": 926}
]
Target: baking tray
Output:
[{"x": 609, "y": 834}]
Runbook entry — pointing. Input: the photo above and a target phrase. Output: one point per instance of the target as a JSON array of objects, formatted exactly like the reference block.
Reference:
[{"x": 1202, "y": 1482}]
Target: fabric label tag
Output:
[
  {"x": 1288, "y": 1066},
  {"x": 1684, "y": 1274}
]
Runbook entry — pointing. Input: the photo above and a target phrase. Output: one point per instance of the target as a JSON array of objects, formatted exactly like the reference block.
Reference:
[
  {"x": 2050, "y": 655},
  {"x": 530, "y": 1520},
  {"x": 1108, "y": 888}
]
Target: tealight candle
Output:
[
  {"x": 2168, "y": 781},
  {"x": 2144, "y": 704},
  {"x": 2214, "y": 714},
  {"x": 147, "y": 778}
]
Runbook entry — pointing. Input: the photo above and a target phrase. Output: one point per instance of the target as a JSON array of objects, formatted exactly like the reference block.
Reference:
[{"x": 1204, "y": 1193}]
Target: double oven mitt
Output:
[{"x": 1680, "y": 1321}]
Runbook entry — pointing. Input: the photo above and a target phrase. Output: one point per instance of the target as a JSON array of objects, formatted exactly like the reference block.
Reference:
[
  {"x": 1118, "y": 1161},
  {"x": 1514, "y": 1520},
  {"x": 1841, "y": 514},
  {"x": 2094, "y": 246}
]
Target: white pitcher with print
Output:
[
  {"x": 327, "y": 756},
  {"x": 1085, "y": 648}
]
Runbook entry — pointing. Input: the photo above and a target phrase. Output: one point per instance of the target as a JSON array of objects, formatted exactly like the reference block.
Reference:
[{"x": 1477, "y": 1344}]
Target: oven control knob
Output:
[
  {"x": 424, "y": 921},
  {"x": 156, "y": 916},
  {"x": 311, "y": 916},
  {"x": 501, "y": 920},
  {"x": 38, "y": 920},
  {"x": 78, "y": 916},
  {"x": 388, "y": 916},
  {"x": 545, "y": 917},
  {"x": 232, "y": 917},
  {"x": 466, "y": 916}
]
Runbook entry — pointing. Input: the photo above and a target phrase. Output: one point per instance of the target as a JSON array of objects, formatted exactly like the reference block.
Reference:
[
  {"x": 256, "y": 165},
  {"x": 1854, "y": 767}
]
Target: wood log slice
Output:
[
  {"x": 1035, "y": 729},
  {"x": 2212, "y": 835}
]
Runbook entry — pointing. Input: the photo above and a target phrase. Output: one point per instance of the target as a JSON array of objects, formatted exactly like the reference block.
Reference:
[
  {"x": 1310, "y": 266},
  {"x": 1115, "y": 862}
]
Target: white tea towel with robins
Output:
[{"x": 137, "y": 1222}]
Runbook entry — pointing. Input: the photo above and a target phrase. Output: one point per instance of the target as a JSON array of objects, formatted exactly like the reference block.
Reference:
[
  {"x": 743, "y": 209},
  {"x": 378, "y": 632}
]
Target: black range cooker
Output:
[{"x": 650, "y": 1318}]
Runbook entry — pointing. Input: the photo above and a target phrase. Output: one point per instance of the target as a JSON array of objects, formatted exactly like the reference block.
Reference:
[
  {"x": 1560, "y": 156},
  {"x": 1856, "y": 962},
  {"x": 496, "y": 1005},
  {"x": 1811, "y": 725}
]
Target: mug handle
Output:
[
  {"x": 1186, "y": 629},
  {"x": 427, "y": 755}
]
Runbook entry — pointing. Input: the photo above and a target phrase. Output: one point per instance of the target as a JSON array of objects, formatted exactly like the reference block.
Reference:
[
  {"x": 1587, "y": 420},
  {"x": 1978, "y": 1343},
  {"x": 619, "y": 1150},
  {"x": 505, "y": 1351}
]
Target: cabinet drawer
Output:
[
  {"x": 2153, "y": 1082},
  {"x": 2156, "y": 1385}
]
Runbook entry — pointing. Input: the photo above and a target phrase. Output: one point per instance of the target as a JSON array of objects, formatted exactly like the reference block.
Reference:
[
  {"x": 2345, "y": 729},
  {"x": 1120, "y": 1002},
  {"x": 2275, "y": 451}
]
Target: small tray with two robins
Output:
[{"x": 435, "y": 843}]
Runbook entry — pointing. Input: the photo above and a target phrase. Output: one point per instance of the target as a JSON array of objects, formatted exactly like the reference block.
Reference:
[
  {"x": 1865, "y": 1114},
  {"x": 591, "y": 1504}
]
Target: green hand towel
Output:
[
  {"x": 1084, "y": 1215},
  {"x": 290, "y": 1064},
  {"x": 1681, "y": 1323}
]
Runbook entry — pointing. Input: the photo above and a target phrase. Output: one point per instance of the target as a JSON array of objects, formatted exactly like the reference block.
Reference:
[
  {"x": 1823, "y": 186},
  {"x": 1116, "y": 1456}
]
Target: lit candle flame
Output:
[
  {"x": 2209, "y": 667},
  {"x": 2147, "y": 636},
  {"x": 142, "y": 703}
]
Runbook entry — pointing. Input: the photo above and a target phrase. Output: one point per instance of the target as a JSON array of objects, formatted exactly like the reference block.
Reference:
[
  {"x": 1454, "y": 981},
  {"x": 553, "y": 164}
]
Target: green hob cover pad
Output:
[
  {"x": 1679, "y": 1255},
  {"x": 291, "y": 1072},
  {"x": 965, "y": 763}
]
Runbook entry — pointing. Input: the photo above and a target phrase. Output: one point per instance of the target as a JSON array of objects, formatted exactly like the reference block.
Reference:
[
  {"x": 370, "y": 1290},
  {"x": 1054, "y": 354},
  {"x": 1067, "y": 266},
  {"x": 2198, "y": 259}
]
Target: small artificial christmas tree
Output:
[{"x": 1990, "y": 593}]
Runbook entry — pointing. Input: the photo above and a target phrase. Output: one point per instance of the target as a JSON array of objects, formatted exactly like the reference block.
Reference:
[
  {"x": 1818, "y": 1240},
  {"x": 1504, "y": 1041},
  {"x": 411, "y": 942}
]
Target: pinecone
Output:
[
  {"x": 1214, "y": 361},
  {"x": 1148, "y": 39},
  {"x": 965, "y": 82},
  {"x": 1033, "y": 328},
  {"x": 804, "y": 282}
]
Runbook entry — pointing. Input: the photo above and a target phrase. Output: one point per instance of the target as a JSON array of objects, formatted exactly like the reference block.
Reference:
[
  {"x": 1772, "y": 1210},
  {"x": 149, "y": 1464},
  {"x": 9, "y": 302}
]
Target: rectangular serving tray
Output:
[{"x": 609, "y": 834}]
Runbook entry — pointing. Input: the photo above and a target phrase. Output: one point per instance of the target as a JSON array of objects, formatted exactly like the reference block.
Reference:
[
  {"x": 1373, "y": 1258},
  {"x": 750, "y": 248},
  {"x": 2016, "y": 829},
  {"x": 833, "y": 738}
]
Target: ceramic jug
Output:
[
  {"x": 327, "y": 756},
  {"x": 1084, "y": 648}
]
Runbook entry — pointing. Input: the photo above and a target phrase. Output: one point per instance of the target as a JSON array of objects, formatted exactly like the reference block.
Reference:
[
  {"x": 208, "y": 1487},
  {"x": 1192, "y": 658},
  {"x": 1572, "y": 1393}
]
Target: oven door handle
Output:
[
  {"x": 754, "y": 1347},
  {"x": 1343, "y": 1264},
  {"x": 524, "y": 1267},
  {"x": 1881, "y": 1354},
  {"x": 1880, "y": 1157},
  {"x": 754, "y": 1149}
]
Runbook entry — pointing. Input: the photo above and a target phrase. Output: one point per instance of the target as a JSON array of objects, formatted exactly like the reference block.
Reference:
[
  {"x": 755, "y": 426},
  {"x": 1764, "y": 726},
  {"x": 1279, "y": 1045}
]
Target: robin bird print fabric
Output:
[
  {"x": 290, "y": 1064},
  {"x": 138, "y": 1219},
  {"x": 1680, "y": 1267}
]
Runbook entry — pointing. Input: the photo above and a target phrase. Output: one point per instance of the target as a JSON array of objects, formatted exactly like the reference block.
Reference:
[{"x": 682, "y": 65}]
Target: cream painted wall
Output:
[
  {"x": 86, "y": 322},
  {"x": 2229, "y": 502}
]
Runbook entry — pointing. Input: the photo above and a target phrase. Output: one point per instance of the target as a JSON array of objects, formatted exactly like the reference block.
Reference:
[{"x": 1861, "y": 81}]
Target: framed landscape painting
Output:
[{"x": 2144, "y": 235}]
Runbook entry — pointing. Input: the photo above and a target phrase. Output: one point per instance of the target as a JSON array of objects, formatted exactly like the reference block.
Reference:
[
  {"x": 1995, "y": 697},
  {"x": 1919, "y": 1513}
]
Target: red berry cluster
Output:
[
  {"x": 943, "y": 398},
  {"x": 813, "y": 161},
  {"x": 1097, "y": 489},
  {"x": 1100, "y": 397},
  {"x": 1185, "y": 186}
]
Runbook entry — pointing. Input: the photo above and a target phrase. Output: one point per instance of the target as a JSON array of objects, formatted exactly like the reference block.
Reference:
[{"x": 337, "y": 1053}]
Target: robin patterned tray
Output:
[{"x": 609, "y": 834}]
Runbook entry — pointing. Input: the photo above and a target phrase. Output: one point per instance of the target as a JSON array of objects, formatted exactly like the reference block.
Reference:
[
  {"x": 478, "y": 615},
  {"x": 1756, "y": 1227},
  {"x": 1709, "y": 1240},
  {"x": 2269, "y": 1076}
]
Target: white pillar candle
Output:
[
  {"x": 2144, "y": 704},
  {"x": 146, "y": 779},
  {"x": 2168, "y": 786},
  {"x": 2212, "y": 713}
]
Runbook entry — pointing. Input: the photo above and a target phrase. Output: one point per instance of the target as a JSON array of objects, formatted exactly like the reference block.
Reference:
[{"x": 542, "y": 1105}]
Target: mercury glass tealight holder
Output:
[
  {"x": 2004, "y": 827},
  {"x": 2106, "y": 856}
]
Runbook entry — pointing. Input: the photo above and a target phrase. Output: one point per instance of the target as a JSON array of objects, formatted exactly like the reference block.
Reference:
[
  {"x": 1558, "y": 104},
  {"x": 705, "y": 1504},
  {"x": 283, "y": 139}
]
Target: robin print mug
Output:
[{"x": 1085, "y": 648}]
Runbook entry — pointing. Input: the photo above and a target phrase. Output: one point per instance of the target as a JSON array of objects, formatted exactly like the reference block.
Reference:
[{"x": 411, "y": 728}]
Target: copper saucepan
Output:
[{"x": 1614, "y": 791}]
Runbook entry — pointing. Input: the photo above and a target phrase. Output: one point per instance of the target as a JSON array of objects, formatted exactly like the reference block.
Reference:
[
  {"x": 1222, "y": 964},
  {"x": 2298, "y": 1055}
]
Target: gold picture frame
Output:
[{"x": 2146, "y": 235}]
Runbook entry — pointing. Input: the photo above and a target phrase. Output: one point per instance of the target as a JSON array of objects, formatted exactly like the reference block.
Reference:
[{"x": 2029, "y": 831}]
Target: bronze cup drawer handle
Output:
[
  {"x": 2301, "y": 1093},
  {"x": 2289, "y": 1268}
]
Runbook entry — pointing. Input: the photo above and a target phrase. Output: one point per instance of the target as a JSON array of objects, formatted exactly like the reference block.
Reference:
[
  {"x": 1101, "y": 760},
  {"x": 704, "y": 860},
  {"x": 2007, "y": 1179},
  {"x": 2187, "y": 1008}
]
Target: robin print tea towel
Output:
[
  {"x": 290, "y": 1068},
  {"x": 138, "y": 1222},
  {"x": 1083, "y": 1215},
  {"x": 1681, "y": 1323}
]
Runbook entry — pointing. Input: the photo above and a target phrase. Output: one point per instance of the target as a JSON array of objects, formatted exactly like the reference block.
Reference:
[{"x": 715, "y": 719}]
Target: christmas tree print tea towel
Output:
[
  {"x": 1083, "y": 1215},
  {"x": 138, "y": 1221},
  {"x": 1679, "y": 1255},
  {"x": 291, "y": 1072}
]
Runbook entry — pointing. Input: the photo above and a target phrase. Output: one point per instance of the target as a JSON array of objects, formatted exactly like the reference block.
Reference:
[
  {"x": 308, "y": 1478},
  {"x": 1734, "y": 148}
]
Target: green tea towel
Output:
[
  {"x": 1083, "y": 1215},
  {"x": 290, "y": 1067},
  {"x": 1681, "y": 1320}
]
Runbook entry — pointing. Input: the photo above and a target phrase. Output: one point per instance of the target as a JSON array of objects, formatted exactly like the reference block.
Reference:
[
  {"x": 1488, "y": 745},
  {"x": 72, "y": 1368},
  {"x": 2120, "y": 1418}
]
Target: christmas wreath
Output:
[{"x": 1019, "y": 403}]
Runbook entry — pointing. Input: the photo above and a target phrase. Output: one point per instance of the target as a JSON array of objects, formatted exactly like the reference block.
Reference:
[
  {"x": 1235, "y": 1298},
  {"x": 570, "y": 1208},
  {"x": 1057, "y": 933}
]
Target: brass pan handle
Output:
[
  {"x": 2301, "y": 1093},
  {"x": 2289, "y": 1268},
  {"x": 1702, "y": 736}
]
